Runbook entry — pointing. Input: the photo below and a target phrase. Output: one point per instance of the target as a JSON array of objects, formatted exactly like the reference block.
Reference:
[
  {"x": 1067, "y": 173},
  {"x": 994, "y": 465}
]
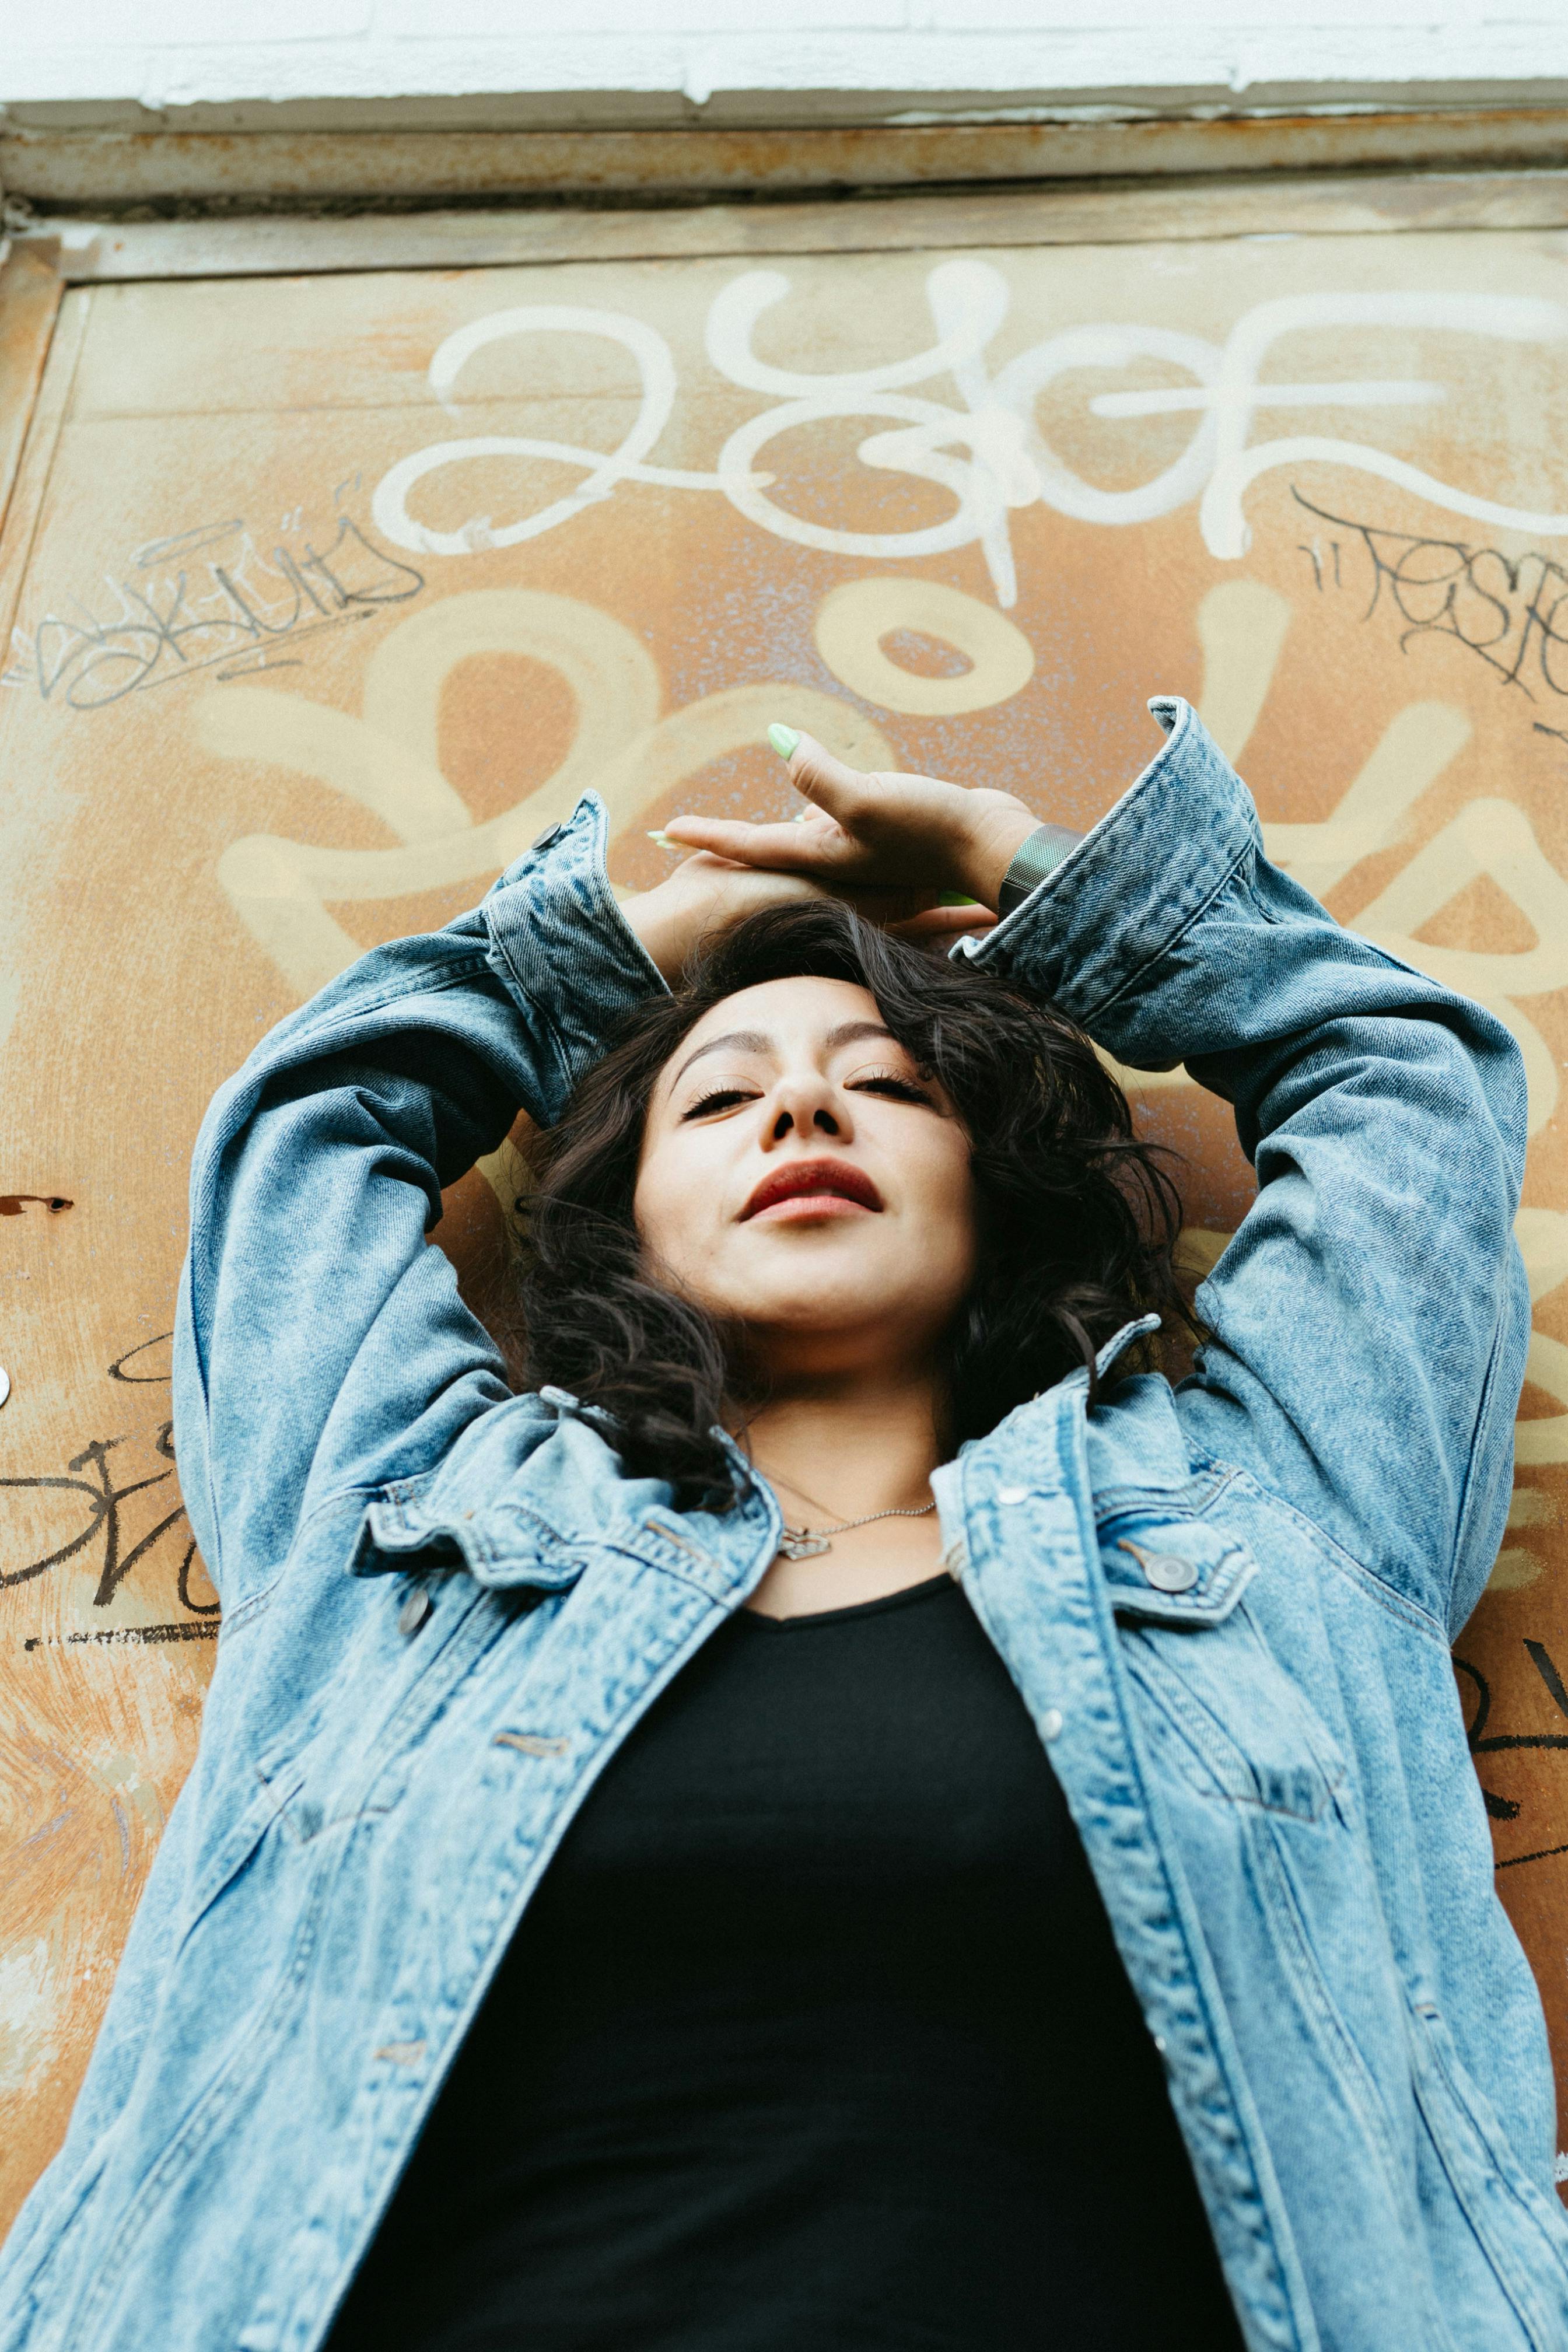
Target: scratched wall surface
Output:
[{"x": 328, "y": 593}]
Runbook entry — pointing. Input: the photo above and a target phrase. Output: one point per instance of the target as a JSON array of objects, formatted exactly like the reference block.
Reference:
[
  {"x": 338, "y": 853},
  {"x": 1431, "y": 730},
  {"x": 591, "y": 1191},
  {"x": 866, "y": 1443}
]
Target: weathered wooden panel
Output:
[{"x": 329, "y": 592}]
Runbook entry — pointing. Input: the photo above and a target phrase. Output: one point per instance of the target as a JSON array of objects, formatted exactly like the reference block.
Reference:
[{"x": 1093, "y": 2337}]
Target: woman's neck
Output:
[{"x": 840, "y": 1449}]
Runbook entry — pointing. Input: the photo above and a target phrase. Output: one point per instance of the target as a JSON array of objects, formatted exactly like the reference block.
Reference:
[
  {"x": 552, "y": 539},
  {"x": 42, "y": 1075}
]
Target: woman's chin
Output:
[{"x": 838, "y": 1318}]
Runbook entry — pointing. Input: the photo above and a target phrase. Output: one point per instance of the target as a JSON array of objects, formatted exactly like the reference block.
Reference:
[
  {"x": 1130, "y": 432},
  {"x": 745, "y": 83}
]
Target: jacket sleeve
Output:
[
  {"x": 1368, "y": 1323},
  {"x": 320, "y": 1347}
]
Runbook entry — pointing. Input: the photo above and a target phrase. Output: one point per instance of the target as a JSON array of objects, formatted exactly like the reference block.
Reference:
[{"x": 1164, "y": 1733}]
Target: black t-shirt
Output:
[{"x": 814, "y": 2039}]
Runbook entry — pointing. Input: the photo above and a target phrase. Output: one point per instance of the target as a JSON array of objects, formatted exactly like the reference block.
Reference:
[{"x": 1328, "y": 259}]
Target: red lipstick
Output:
[{"x": 811, "y": 1187}]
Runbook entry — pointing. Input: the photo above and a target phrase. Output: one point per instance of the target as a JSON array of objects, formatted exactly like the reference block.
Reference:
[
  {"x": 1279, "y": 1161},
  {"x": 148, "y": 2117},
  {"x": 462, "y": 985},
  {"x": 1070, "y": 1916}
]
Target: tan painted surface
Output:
[{"x": 328, "y": 592}]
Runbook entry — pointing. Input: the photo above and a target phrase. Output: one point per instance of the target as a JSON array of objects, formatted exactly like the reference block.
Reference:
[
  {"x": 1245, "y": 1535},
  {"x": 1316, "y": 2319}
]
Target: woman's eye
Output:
[
  {"x": 888, "y": 1082},
  {"x": 722, "y": 1099}
]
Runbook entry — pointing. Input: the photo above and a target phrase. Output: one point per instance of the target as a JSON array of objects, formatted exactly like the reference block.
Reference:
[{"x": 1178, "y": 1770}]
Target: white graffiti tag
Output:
[
  {"x": 988, "y": 453},
  {"x": 604, "y": 472}
]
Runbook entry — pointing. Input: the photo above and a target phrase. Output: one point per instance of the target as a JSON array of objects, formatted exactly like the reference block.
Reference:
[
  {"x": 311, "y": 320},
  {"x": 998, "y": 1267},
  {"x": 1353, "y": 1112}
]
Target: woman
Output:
[{"x": 845, "y": 1814}]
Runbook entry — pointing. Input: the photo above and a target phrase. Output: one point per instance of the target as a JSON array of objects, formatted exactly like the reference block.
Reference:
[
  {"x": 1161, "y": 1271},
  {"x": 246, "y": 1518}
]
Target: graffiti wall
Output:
[{"x": 329, "y": 593}]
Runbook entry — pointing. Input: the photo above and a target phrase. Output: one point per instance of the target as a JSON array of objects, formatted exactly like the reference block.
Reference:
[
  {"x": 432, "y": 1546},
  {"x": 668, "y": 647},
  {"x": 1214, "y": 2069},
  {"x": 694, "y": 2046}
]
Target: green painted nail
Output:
[
  {"x": 664, "y": 841},
  {"x": 783, "y": 739}
]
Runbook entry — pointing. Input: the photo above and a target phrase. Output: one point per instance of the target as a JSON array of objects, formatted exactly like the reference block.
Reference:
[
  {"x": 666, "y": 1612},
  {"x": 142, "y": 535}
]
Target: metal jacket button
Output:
[
  {"x": 1167, "y": 1572},
  {"x": 413, "y": 1613}
]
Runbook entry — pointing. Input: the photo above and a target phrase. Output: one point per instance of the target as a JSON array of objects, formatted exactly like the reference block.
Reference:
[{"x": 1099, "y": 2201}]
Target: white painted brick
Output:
[
  {"x": 178, "y": 25},
  {"x": 183, "y": 52},
  {"x": 1122, "y": 22},
  {"x": 497, "y": 20}
]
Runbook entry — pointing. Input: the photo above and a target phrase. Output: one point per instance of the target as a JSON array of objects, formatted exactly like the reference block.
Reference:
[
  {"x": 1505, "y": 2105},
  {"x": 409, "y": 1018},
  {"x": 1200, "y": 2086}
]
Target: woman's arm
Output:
[
  {"x": 1370, "y": 1319},
  {"x": 319, "y": 1345}
]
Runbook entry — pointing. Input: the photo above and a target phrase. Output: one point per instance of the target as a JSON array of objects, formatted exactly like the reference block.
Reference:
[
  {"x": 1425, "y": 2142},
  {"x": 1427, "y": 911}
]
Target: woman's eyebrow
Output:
[
  {"x": 849, "y": 1033},
  {"x": 749, "y": 1041}
]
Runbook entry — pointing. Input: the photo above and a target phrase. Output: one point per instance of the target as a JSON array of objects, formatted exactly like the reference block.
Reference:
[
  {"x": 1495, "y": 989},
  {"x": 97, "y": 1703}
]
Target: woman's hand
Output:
[
  {"x": 877, "y": 833},
  {"x": 708, "y": 893}
]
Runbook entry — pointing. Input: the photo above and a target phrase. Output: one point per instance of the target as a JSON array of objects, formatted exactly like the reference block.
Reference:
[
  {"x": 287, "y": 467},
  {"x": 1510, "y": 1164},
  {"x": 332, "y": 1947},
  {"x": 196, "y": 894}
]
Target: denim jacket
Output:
[{"x": 1227, "y": 1608}]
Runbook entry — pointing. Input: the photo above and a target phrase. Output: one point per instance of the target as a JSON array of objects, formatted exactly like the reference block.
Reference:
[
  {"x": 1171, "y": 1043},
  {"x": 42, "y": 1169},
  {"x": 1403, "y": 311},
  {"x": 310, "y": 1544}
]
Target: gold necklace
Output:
[{"x": 805, "y": 1543}]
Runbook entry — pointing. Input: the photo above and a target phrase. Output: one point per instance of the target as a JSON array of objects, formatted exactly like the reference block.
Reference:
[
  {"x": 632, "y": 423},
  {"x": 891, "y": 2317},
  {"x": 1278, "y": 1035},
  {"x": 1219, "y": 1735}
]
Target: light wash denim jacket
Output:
[{"x": 1227, "y": 1609}]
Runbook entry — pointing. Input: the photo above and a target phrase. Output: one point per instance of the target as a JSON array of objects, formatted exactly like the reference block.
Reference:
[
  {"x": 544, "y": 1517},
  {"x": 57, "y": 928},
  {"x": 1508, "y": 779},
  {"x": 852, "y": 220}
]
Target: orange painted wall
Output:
[{"x": 306, "y": 644}]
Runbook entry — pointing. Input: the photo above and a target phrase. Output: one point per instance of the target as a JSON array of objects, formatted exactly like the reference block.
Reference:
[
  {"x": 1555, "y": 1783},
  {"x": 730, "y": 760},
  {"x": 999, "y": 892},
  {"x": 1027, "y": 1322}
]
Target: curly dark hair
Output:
[{"x": 1077, "y": 1219}]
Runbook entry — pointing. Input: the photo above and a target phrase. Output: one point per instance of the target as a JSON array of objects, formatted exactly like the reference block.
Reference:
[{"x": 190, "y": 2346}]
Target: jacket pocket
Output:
[
  {"x": 1266, "y": 1820},
  {"x": 1218, "y": 1706},
  {"x": 1233, "y": 1722},
  {"x": 1167, "y": 1568}
]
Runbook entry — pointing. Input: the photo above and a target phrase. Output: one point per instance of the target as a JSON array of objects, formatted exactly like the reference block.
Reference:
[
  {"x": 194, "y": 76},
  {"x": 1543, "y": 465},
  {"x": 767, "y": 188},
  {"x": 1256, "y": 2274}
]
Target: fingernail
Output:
[
  {"x": 664, "y": 841},
  {"x": 783, "y": 739}
]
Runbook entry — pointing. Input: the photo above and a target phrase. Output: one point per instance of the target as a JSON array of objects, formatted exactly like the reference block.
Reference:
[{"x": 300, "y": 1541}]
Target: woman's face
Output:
[{"x": 800, "y": 1175}]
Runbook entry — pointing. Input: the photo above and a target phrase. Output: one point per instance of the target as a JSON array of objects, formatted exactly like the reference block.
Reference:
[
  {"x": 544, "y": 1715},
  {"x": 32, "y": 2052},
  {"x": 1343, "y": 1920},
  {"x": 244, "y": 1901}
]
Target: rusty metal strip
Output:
[
  {"x": 1319, "y": 205},
  {"x": 108, "y": 168},
  {"x": 38, "y": 441}
]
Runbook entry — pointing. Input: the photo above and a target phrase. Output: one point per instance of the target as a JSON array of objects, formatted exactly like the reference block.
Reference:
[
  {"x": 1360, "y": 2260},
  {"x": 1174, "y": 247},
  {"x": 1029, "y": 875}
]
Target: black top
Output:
[{"x": 814, "y": 2039}]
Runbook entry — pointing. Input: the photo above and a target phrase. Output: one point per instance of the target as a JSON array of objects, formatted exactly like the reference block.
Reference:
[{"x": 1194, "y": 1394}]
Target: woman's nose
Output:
[{"x": 806, "y": 1105}]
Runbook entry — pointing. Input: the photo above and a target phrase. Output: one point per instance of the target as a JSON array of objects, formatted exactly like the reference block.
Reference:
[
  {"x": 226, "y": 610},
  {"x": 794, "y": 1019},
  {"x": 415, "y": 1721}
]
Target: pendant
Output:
[{"x": 800, "y": 1543}]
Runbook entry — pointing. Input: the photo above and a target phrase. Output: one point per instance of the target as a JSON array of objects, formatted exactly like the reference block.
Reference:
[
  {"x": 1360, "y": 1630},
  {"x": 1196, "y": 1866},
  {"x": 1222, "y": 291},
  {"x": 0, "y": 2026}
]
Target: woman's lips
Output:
[
  {"x": 813, "y": 1189},
  {"x": 801, "y": 1206}
]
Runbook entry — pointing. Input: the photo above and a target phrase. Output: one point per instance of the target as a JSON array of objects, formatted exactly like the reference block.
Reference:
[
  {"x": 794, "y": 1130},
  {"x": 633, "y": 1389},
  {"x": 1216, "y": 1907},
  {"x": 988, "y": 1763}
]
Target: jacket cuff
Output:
[
  {"x": 1136, "y": 881},
  {"x": 560, "y": 945}
]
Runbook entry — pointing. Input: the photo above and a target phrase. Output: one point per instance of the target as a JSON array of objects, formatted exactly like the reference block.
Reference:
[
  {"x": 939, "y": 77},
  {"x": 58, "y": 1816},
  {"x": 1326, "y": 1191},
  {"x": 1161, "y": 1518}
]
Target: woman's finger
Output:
[
  {"x": 785, "y": 848},
  {"x": 943, "y": 923},
  {"x": 828, "y": 782}
]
